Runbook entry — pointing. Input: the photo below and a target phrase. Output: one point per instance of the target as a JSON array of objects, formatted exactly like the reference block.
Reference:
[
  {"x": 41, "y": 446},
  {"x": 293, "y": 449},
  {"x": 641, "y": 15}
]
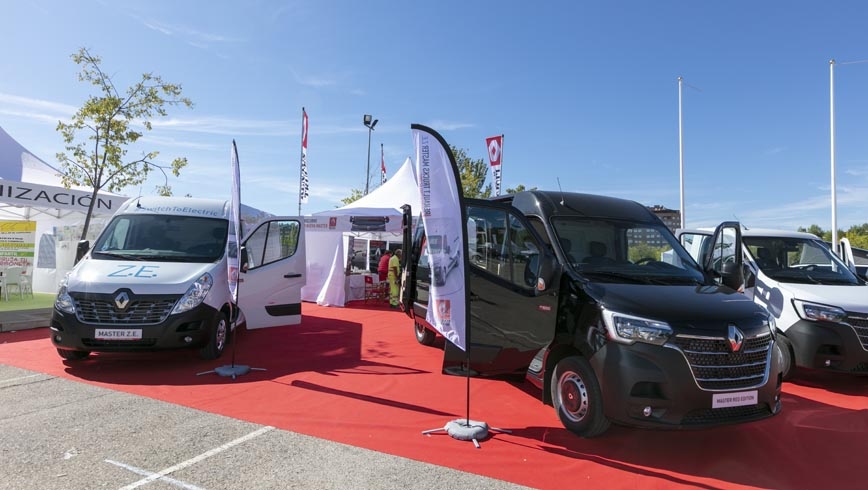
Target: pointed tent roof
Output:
[
  {"x": 399, "y": 190},
  {"x": 19, "y": 164}
]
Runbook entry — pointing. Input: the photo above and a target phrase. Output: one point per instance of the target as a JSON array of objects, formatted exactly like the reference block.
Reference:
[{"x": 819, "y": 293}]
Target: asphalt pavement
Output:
[
  {"x": 62, "y": 434},
  {"x": 11, "y": 321}
]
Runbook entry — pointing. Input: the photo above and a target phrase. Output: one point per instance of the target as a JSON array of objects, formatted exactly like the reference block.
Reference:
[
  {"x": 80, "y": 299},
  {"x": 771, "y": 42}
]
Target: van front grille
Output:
[
  {"x": 860, "y": 326},
  {"x": 716, "y": 367},
  {"x": 149, "y": 311}
]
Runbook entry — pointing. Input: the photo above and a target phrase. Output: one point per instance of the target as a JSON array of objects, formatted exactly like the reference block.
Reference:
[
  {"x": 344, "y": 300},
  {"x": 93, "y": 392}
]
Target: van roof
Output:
[
  {"x": 759, "y": 232},
  {"x": 180, "y": 206},
  {"x": 555, "y": 203}
]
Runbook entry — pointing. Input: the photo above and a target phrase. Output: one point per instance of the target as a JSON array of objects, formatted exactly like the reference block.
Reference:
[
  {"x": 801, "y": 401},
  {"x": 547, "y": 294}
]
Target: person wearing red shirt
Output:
[{"x": 383, "y": 265}]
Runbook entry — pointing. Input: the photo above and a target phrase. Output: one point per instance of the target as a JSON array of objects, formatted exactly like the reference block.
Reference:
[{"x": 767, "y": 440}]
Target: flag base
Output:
[
  {"x": 233, "y": 370},
  {"x": 466, "y": 430}
]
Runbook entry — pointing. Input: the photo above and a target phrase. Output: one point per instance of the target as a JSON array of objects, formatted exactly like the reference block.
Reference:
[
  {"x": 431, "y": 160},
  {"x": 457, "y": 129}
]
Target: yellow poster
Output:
[{"x": 17, "y": 243}]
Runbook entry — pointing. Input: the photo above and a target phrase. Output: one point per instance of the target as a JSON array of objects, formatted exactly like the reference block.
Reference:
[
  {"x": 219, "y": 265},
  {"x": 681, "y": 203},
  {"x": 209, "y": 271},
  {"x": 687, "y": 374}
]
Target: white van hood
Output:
[
  {"x": 850, "y": 298},
  {"x": 107, "y": 276}
]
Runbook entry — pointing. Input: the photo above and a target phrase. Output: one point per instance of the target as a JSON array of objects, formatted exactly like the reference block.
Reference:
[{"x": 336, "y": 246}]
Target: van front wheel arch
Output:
[
  {"x": 218, "y": 337},
  {"x": 577, "y": 397}
]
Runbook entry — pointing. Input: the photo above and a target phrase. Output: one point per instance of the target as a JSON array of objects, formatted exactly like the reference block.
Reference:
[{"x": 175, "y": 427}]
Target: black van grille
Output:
[
  {"x": 138, "y": 312},
  {"x": 714, "y": 416},
  {"x": 716, "y": 367},
  {"x": 860, "y": 325}
]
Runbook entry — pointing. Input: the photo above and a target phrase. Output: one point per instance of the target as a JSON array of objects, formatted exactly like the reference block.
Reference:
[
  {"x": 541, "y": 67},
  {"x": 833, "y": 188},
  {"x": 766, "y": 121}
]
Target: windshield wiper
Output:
[
  {"x": 618, "y": 275},
  {"x": 118, "y": 255}
]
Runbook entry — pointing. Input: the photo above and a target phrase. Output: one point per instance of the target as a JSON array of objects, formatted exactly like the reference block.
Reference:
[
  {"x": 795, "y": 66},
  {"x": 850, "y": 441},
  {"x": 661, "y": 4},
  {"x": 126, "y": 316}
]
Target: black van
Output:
[{"x": 597, "y": 304}]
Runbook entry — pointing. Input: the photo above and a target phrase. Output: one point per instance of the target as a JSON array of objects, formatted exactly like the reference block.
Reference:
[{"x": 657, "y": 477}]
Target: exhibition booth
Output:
[{"x": 343, "y": 244}]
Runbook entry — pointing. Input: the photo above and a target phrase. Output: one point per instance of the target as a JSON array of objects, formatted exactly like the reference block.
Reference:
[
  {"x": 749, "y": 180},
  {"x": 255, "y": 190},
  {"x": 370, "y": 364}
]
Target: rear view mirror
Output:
[
  {"x": 732, "y": 275},
  {"x": 81, "y": 249},
  {"x": 548, "y": 268},
  {"x": 244, "y": 263}
]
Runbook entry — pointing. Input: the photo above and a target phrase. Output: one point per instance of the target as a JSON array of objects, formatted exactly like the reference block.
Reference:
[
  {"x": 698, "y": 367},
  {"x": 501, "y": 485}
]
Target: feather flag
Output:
[
  {"x": 235, "y": 226},
  {"x": 304, "y": 186},
  {"x": 495, "y": 157},
  {"x": 382, "y": 166}
]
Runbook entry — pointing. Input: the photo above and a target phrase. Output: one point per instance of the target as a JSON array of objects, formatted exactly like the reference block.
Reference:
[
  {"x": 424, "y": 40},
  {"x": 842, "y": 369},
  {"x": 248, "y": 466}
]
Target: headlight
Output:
[
  {"x": 628, "y": 329},
  {"x": 64, "y": 301},
  {"x": 195, "y": 294},
  {"x": 819, "y": 313}
]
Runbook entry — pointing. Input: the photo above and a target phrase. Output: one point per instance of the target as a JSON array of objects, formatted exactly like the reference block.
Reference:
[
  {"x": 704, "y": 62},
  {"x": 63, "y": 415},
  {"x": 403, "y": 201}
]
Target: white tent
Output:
[
  {"x": 377, "y": 215},
  {"x": 31, "y": 190}
]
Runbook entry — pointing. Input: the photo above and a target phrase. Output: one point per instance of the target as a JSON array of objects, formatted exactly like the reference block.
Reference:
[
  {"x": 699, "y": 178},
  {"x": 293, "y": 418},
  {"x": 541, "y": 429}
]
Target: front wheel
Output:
[
  {"x": 423, "y": 335},
  {"x": 577, "y": 397},
  {"x": 218, "y": 337},
  {"x": 787, "y": 359}
]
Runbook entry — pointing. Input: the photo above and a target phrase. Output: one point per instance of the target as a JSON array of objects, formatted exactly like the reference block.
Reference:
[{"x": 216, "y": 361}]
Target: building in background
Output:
[{"x": 670, "y": 217}]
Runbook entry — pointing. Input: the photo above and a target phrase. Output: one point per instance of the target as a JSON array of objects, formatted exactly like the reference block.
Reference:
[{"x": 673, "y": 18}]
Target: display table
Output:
[{"x": 355, "y": 286}]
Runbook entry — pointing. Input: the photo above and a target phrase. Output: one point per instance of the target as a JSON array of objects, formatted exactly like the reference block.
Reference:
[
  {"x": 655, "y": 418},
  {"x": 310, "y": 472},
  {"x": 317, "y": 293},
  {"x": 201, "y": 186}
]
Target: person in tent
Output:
[
  {"x": 394, "y": 277},
  {"x": 383, "y": 265}
]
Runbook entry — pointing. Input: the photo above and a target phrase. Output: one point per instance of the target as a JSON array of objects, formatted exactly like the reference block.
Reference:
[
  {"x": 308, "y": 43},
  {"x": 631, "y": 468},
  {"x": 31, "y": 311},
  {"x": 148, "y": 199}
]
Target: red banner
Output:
[{"x": 495, "y": 149}]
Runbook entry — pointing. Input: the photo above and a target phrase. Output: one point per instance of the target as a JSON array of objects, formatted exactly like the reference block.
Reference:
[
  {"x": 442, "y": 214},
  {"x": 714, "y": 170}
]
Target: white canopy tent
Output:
[
  {"x": 377, "y": 215},
  {"x": 31, "y": 190}
]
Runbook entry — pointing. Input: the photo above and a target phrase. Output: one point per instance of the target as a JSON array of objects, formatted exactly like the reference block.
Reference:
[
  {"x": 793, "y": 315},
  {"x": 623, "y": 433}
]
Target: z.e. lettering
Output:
[{"x": 144, "y": 271}]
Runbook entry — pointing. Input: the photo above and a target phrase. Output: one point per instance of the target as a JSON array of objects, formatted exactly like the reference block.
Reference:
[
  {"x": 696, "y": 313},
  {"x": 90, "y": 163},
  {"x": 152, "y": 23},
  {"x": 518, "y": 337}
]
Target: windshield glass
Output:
[
  {"x": 798, "y": 260},
  {"x": 625, "y": 251},
  {"x": 157, "y": 237}
]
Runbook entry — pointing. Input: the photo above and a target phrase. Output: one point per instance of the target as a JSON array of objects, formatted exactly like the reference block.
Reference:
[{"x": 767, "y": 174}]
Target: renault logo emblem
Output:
[
  {"x": 122, "y": 300},
  {"x": 735, "y": 338}
]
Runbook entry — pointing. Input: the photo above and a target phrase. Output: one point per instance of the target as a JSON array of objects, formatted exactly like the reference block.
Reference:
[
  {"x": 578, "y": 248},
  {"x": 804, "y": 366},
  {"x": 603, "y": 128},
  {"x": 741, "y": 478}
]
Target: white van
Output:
[
  {"x": 157, "y": 278},
  {"x": 819, "y": 304}
]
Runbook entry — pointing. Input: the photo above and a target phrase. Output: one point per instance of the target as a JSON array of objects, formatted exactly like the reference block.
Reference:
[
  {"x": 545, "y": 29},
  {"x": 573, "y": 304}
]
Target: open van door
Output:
[
  {"x": 408, "y": 271},
  {"x": 723, "y": 258},
  {"x": 269, "y": 293}
]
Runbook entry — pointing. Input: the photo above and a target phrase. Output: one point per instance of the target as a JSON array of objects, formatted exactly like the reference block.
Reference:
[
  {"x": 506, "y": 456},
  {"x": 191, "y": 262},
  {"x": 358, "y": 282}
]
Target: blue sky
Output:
[{"x": 586, "y": 93}]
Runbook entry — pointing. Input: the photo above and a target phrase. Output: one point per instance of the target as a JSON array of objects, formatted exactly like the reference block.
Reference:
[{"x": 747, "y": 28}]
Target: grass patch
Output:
[{"x": 39, "y": 300}]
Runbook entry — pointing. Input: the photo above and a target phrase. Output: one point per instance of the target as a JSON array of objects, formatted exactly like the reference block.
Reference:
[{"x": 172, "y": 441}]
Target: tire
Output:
[
  {"x": 577, "y": 397},
  {"x": 73, "y": 355},
  {"x": 787, "y": 358},
  {"x": 423, "y": 335},
  {"x": 218, "y": 337}
]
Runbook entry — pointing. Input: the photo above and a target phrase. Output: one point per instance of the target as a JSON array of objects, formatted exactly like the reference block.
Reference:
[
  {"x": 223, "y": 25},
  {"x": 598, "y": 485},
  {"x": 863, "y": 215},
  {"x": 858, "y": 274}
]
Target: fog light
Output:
[
  {"x": 188, "y": 339},
  {"x": 646, "y": 411},
  {"x": 57, "y": 338},
  {"x": 828, "y": 362}
]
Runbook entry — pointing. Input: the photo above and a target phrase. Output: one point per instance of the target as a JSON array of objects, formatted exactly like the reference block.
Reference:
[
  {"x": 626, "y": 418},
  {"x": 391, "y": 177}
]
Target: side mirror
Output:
[
  {"x": 732, "y": 275},
  {"x": 244, "y": 262},
  {"x": 548, "y": 269},
  {"x": 81, "y": 249}
]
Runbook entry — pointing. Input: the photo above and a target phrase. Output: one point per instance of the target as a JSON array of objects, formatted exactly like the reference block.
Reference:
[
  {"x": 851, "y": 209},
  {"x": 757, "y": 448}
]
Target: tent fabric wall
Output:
[{"x": 327, "y": 233}]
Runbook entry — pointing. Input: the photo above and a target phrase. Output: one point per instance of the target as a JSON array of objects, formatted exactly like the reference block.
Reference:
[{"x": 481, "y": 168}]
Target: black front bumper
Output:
[
  {"x": 654, "y": 387},
  {"x": 189, "y": 329},
  {"x": 830, "y": 346}
]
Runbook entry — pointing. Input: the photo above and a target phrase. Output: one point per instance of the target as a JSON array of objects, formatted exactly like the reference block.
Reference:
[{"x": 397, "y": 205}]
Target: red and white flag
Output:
[
  {"x": 495, "y": 157},
  {"x": 382, "y": 166},
  {"x": 304, "y": 186}
]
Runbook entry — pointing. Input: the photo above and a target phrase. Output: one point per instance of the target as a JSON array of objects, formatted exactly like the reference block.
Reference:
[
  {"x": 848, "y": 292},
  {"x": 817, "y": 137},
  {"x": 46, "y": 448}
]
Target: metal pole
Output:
[
  {"x": 368, "y": 173},
  {"x": 832, "y": 152},
  {"x": 681, "y": 153}
]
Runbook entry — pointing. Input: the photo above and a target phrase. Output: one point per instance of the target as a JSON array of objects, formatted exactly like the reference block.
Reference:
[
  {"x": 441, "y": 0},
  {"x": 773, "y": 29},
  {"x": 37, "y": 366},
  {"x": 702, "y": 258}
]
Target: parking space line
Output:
[
  {"x": 12, "y": 380},
  {"x": 196, "y": 459},
  {"x": 165, "y": 479}
]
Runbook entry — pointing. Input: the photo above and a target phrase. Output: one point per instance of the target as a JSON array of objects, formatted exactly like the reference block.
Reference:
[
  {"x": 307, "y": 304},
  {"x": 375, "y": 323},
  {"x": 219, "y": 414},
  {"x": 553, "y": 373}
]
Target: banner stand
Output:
[
  {"x": 232, "y": 369},
  {"x": 466, "y": 429}
]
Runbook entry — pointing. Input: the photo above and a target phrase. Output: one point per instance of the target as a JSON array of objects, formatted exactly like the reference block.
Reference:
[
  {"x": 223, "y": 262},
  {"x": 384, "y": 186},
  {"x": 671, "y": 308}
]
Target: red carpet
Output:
[{"x": 357, "y": 376}]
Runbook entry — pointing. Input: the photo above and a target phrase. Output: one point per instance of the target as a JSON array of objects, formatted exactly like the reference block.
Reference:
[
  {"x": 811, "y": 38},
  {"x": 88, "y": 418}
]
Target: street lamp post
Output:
[{"x": 369, "y": 123}]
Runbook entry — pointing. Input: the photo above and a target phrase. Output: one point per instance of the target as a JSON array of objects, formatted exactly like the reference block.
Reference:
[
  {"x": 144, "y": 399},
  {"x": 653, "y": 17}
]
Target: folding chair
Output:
[{"x": 12, "y": 277}]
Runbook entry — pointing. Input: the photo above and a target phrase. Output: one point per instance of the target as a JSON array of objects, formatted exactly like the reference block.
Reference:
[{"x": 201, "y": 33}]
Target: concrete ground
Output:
[{"x": 11, "y": 321}]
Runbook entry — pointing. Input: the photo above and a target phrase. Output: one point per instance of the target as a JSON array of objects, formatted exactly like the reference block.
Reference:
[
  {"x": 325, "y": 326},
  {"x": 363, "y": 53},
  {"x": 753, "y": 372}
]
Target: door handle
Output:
[{"x": 292, "y": 275}]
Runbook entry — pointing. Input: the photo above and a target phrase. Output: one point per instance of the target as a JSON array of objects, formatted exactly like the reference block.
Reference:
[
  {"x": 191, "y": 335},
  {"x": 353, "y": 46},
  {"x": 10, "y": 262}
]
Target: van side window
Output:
[
  {"x": 501, "y": 245},
  {"x": 272, "y": 241}
]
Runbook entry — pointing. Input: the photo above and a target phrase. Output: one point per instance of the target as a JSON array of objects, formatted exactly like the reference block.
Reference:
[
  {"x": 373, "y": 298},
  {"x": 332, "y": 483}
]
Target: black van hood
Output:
[{"x": 682, "y": 307}]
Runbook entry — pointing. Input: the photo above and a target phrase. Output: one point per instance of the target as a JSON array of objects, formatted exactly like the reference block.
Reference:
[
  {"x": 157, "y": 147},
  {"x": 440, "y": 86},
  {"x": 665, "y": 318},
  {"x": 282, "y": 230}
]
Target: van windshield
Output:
[
  {"x": 625, "y": 251},
  {"x": 798, "y": 260},
  {"x": 162, "y": 238}
]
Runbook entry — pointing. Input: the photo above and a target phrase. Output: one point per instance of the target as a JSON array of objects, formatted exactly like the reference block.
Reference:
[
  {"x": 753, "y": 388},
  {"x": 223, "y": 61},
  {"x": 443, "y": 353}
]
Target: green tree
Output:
[
  {"x": 355, "y": 195},
  {"x": 98, "y": 160},
  {"x": 472, "y": 174},
  {"x": 519, "y": 188}
]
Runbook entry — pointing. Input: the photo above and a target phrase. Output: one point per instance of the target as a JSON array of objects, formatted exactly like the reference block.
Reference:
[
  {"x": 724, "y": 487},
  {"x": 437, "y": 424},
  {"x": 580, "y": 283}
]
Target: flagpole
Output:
[
  {"x": 500, "y": 187},
  {"x": 681, "y": 154},
  {"x": 302, "y": 164}
]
